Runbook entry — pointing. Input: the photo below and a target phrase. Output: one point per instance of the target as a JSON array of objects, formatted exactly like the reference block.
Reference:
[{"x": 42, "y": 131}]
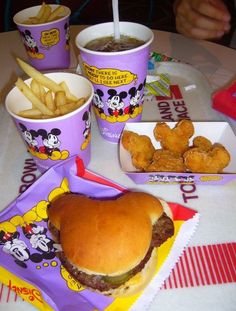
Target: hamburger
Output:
[{"x": 110, "y": 245}]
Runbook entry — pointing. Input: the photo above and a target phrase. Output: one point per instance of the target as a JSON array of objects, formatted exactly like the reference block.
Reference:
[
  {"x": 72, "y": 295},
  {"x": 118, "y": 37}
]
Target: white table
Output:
[{"x": 218, "y": 219}]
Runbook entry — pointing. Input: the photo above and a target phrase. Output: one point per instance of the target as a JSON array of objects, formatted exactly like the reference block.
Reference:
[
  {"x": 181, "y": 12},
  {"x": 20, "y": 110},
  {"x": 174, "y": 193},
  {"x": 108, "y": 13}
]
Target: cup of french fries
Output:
[
  {"x": 52, "y": 113},
  {"x": 45, "y": 33}
]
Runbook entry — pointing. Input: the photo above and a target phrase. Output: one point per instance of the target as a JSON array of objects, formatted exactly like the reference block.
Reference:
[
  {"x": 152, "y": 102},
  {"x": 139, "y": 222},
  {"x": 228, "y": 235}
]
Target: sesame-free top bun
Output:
[{"x": 105, "y": 237}]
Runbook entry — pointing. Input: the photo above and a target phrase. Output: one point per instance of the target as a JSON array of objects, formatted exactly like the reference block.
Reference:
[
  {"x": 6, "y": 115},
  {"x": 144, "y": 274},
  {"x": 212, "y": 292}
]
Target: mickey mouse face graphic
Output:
[
  {"x": 135, "y": 95},
  {"x": 67, "y": 33},
  {"x": 29, "y": 41},
  {"x": 115, "y": 102},
  {"x": 29, "y": 137},
  {"x": 135, "y": 98},
  {"x": 87, "y": 119},
  {"x": 51, "y": 141}
]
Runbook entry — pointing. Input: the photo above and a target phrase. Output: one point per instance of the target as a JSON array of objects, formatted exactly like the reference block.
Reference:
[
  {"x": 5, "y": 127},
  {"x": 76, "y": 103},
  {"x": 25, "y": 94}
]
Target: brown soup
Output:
[{"x": 109, "y": 44}]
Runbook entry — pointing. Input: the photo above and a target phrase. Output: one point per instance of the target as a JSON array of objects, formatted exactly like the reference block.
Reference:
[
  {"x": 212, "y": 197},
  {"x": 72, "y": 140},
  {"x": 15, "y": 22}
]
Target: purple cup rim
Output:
[
  {"x": 55, "y": 119},
  {"x": 103, "y": 25},
  {"x": 42, "y": 24}
]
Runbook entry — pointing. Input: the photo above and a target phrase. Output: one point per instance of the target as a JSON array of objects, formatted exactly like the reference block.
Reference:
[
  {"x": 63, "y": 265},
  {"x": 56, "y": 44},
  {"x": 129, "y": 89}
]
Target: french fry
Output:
[
  {"x": 46, "y": 13},
  {"x": 38, "y": 89},
  {"x": 80, "y": 102},
  {"x": 32, "y": 113},
  {"x": 31, "y": 21},
  {"x": 44, "y": 116},
  {"x": 39, "y": 77},
  {"x": 62, "y": 110},
  {"x": 60, "y": 98},
  {"x": 49, "y": 101},
  {"x": 41, "y": 11},
  {"x": 69, "y": 96},
  {"x": 36, "y": 102},
  {"x": 42, "y": 93},
  {"x": 35, "y": 117},
  {"x": 35, "y": 88},
  {"x": 56, "y": 13}
]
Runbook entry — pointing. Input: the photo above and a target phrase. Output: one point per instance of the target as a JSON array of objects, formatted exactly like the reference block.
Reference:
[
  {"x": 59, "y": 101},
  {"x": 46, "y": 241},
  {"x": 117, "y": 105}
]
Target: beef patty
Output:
[{"x": 162, "y": 230}]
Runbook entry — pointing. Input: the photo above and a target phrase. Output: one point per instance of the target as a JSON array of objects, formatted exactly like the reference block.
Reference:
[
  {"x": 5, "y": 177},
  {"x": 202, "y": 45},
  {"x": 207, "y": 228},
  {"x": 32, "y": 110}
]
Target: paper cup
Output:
[
  {"x": 56, "y": 139},
  {"x": 47, "y": 45},
  {"x": 118, "y": 77}
]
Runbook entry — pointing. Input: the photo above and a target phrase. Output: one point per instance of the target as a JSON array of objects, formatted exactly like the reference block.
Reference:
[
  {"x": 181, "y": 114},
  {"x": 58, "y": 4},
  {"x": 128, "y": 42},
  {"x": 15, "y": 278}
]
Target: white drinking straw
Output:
[{"x": 115, "y": 9}]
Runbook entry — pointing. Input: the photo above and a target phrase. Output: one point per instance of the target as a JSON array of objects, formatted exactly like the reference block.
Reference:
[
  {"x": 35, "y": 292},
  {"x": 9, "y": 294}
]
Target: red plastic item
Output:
[
  {"x": 225, "y": 101},
  {"x": 83, "y": 173}
]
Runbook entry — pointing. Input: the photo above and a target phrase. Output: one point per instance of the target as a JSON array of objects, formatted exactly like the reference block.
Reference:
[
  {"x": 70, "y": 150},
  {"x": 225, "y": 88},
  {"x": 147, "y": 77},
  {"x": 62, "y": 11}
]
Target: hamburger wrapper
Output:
[{"x": 28, "y": 262}]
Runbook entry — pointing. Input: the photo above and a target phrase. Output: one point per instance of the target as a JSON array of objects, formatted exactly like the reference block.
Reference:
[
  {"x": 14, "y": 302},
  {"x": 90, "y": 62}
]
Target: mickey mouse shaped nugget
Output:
[
  {"x": 140, "y": 148},
  {"x": 166, "y": 161},
  {"x": 176, "y": 139},
  {"x": 206, "y": 158}
]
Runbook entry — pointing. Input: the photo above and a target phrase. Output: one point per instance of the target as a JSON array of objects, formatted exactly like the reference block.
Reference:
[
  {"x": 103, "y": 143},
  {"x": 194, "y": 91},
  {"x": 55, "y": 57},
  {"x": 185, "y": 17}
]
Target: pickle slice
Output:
[{"x": 117, "y": 280}]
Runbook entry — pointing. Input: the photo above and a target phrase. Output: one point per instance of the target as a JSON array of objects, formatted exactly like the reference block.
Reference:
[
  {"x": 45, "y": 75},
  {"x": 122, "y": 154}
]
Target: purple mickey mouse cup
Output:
[
  {"x": 118, "y": 77},
  {"x": 47, "y": 44},
  {"x": 56, "y": 139}
]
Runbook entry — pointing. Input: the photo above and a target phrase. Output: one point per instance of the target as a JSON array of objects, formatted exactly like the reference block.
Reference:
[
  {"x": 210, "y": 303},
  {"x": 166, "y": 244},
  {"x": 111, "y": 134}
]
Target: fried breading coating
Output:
[
  {"x": 202, "y": 142},
  {"x": 166, "y": 161},
  {"x": 176, "y": 139},
  {"x": 140, "y": 147},
  {"x": 198, "y": 160}
]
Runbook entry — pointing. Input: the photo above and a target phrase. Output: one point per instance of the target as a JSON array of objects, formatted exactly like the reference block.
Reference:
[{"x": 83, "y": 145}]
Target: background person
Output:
[{"x": 204, "y": 19}]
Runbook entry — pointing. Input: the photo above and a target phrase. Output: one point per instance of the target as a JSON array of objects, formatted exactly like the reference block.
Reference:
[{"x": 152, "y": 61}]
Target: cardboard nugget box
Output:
[{"x": 216, "y": 132}]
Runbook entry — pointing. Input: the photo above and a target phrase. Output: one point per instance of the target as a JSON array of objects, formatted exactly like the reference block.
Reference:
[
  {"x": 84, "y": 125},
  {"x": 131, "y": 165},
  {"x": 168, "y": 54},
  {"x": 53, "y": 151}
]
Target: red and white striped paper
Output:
[{"x": 204, "y": 265}]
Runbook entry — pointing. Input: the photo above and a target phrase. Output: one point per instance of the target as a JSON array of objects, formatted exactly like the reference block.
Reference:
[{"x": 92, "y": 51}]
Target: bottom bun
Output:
[{"x": 138, "y": 282}]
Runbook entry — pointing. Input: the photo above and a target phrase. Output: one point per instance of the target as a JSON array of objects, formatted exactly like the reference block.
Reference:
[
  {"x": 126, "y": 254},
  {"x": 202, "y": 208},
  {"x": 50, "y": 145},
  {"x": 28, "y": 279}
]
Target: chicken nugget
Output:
[
  {"x": 140, "y": 148},
  {"x": 212, "y": 161},
  {"x": 176, "y": 139},
  {"x": 166, "y": 161}
]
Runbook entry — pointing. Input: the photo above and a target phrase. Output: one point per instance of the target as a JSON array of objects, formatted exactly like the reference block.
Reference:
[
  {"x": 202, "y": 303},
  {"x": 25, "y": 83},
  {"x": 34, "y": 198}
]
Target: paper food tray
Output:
[{"x": 216, "y": 132}]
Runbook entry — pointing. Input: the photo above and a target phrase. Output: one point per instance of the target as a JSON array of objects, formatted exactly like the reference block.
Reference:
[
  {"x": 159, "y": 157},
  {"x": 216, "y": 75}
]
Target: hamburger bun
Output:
[{"x": 108, "y": 237}]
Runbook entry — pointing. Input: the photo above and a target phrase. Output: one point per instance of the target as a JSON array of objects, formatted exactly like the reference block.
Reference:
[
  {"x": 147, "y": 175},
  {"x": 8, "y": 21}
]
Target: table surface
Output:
[{"x": 216, "y": 204}]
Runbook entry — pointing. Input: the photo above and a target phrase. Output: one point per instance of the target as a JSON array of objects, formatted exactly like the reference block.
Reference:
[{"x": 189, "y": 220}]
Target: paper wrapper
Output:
[
  {"x": 157, "y": 84},
  {"x": 28, "y": 262},
  {"x": 156, "y": 57}
]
